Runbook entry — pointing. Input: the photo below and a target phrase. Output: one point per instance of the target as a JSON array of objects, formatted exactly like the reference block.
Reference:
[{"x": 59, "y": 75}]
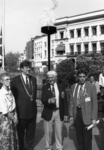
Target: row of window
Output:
[
  {"x": 52, "y": 53},
  {"x": 86, "y": 32},
  {"x": 86, "y": 48},
  {"x": 39, "y": 44}
]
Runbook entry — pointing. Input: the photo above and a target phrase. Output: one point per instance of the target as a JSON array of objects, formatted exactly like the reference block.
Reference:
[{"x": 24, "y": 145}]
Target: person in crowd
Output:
[
  {"x": 96, "y": 83},
  {"x": 55, "y": 110},
  {"x": 83, "y": 109},
  {"x": 24, "y": 88},
  {"x": 8, "y": 116},
  {"x": 101, "y": 82}
]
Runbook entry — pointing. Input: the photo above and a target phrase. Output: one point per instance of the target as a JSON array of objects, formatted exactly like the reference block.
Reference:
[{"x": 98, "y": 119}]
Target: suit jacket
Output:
[
  {"x": 26, "y": 108},
  {"x": 48, "y": 108},
  {"x": 89, "y": 103}
]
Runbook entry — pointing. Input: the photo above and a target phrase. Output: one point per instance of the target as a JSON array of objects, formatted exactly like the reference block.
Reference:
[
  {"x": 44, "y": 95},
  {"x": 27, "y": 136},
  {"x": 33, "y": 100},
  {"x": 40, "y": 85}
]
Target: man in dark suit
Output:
[
  {"x": 24, "y": 88},
  {"x": 83, "y": 110},
  {"x": 55, "y": 110}
]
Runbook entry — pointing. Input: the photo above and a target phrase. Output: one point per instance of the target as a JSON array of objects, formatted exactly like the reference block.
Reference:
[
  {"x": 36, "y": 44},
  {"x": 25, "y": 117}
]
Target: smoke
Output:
[
  {"x": 55, "y": 3},
  {"x": 48, "y": 17}
]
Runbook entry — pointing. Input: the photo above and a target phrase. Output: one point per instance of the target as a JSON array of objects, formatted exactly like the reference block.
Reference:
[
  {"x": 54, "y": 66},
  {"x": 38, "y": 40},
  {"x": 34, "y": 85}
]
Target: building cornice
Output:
[{"x": 79, "y": 20}]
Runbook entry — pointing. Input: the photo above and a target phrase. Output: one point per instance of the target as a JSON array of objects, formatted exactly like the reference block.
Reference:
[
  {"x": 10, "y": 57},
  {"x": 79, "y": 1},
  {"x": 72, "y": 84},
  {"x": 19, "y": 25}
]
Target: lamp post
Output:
[{"x": 48, "y": 30}]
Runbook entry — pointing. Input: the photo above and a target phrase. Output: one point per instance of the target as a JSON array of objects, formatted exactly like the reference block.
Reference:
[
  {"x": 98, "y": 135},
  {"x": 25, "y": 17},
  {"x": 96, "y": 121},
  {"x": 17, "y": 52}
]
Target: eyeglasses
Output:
[
  {"x": 82, "y": 76},
  {"x": 7, "y": 79},
  {"x": 26, "y": 67}
]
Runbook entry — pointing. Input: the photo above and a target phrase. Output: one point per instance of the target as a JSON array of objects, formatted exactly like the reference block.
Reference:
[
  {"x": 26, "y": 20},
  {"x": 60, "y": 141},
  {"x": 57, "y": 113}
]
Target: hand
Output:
[
  {"x": 94, "y": 122},
  {"x": 65, "y": 118},
  {"x": 15, "y": 120},
  {"x": 71, "y": 120},
  {"x": 10, "y": 115},
  {"x": 62, "y": 94},
  {"x": 52, "y": 100}
]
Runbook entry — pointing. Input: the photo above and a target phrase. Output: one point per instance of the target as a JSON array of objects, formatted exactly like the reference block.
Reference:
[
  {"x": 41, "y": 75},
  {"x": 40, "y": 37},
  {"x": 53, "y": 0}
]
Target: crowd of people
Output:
[{"x": 18, "y": 109}]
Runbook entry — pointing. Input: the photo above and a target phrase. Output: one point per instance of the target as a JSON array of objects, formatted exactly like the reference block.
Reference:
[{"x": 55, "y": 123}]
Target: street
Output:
[{"x": 69, "y": 137}]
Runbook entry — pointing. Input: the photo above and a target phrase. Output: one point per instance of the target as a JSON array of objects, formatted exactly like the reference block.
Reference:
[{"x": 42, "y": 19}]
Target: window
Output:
[
  {"x": 61, "y": 35},
  {"x": 94, "y": 47},
  {"x": 52, "y": 42},
  {"x": 52, "y": 52},
  {"x": 102, "y": 29},
  {"x": 78, "y": 32},
  {"x": 45, "y": 44},
  {"x": 71, "y": 33},
  {"x": 45, "y": 55},
  {"x": 72, "y": 49},
  {"x": 86, "y": 48},
  {"x": 79, "y": 49},
  {"x": 60, "y": 52},
  {"x": 102, "y": 47},
  {"x": 86, "y": 31},
  {"x": 94, "y": 31}
]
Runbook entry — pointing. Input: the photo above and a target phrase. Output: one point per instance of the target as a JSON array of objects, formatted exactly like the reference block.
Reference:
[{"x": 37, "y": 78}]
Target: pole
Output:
[
  {"x": 48, "y": 52},
  {"x": 3, "y": 33}
]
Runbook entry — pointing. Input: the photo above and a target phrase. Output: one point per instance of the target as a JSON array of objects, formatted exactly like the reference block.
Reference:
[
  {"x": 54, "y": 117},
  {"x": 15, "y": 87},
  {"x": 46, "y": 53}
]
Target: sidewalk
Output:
[{"x": 69, "y": 137}]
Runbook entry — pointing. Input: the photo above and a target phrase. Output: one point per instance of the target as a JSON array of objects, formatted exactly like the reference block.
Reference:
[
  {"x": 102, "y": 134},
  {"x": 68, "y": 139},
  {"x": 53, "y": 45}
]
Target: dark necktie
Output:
[
  {"x": 27, "y": 83},
  {"x": 53, "y": 90},
  {"x": 79, "y": 101}
]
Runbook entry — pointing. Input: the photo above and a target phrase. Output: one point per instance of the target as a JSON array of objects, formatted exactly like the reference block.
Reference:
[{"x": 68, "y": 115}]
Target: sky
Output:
[{"x": 23, "y": 17}]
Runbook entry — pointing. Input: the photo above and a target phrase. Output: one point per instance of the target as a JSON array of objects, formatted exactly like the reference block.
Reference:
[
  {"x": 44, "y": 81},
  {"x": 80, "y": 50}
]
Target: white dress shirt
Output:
[
  {"x": 24, "y": 78},
  {"x": 83, "y": 88},
  {"x": 56, "y": 94},
  {"x": 101, "y": 80},
  {"x": 7, "y": 102}
]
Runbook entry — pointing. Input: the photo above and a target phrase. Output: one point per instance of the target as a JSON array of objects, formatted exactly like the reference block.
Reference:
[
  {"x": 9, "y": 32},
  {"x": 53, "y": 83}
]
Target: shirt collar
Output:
[{"x": 4, "y": 91}]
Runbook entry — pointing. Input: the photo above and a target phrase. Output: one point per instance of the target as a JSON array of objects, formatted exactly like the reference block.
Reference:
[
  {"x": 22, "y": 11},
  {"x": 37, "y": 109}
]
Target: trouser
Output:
[
  {"x": 48, "y": 128},
  {"x": 84, "y": 136},
  {"x": 26, "y": 129}
]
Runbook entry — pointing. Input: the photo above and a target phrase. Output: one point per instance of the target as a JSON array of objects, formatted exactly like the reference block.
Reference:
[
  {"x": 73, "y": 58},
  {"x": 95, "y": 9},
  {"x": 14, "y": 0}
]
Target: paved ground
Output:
[{"x": 69, "y": 137}]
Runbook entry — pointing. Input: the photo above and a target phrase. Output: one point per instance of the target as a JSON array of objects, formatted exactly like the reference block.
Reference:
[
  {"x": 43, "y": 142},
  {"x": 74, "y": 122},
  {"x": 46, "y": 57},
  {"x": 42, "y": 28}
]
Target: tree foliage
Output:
[
  {"x": 93, "y": 65},
  {"x": 11, "y": 61},
  {"x": 66, "y": 71}
]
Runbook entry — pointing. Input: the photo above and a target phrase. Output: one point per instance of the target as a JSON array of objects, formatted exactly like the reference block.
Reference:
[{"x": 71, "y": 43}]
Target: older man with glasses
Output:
[
  {"x": 55, "y": 110},
  {"x": 83, "y": 110}
]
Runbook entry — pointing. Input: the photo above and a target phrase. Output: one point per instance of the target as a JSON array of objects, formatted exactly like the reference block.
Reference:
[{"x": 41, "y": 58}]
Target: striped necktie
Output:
[
  {"x": 53, "y": 90},
  {"x": 79, "y": 100}
]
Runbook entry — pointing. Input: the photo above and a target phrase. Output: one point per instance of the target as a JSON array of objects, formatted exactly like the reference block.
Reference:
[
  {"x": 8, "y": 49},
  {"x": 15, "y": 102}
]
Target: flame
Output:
[{"x": 48, "y": 17}]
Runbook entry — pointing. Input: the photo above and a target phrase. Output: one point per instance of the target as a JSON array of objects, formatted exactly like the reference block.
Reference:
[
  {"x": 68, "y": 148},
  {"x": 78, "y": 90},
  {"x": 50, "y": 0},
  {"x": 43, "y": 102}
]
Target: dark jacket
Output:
[
  {"x": 26, "y": 108},
  {"x": 48, "y": 108}
]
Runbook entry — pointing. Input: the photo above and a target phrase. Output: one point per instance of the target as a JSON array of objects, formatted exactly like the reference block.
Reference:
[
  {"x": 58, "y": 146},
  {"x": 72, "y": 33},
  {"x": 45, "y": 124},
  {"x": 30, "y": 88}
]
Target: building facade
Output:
[{"x": 76, "y": 35}]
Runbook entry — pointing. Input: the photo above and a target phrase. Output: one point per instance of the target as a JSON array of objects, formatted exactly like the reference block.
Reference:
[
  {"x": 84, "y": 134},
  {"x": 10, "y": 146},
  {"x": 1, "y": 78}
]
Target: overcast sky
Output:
[{"x": 22, "y": 17}]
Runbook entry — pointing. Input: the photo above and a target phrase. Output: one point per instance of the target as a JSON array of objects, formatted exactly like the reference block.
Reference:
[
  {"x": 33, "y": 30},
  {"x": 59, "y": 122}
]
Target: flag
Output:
[{"x": 1, "y": 42}]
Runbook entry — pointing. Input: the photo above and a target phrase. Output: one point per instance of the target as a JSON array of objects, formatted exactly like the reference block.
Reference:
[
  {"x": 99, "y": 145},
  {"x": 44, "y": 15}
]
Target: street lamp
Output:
[{"x": 48, "y": 30}]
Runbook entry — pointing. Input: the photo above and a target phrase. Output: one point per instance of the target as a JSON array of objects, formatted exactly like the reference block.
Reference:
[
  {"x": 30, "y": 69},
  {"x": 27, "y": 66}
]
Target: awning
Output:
[{"x": 60, "y": 48}]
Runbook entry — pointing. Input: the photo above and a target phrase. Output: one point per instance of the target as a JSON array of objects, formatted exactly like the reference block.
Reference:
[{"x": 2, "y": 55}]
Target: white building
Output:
[{"x": 75, "y": 35}]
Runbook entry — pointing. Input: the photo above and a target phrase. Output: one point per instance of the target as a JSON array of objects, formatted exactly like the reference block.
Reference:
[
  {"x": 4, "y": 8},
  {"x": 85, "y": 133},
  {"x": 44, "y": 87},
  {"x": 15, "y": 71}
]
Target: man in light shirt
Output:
[
  {"x": 55, "y": 110},
  {"x": 101, "y": 82}
]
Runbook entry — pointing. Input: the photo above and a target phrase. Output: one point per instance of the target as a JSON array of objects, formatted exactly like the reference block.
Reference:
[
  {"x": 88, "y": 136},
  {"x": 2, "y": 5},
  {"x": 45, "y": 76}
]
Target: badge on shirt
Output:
[{"x": 87, "y": 99}]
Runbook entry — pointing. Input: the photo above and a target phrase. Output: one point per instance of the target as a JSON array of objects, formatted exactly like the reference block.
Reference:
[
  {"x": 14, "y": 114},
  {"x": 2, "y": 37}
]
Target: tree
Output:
[
  {"x": 11, "y": 61},
  {"x": 92, "y": 65},
  {"x": 66, "y": 72}
]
